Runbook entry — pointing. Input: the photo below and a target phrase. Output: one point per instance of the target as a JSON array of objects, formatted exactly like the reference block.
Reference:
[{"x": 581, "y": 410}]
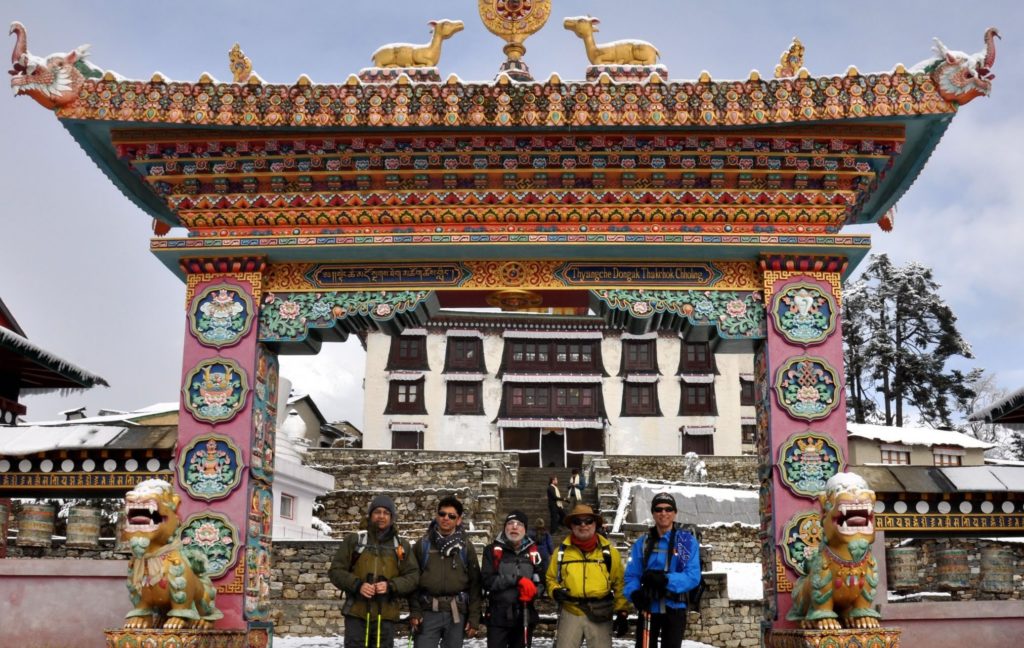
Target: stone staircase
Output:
[{"x": 529, "y": 495}]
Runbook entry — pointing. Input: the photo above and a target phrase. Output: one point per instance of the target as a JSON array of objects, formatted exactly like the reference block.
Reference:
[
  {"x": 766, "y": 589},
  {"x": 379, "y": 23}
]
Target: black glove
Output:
[
  {"x": 620, "y": 626},
  {"x": 654, "y": 581},
  {"x": 640, "y": 600},
  {"x": 560, "y": 594}
]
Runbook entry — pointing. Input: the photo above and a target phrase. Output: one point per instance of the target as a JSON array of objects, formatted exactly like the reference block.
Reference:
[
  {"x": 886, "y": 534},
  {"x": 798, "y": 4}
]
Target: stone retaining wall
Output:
[
  {"x": 721, "y": 470},
  {"x": 732, "y": 543}
]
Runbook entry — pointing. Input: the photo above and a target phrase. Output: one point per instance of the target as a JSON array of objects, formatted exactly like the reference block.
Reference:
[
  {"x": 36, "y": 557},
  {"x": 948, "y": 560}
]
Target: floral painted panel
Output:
[
  {"x": 287, "y": 317},
  {"x": 264, "y": 415},
  {"x": 804, "y": 313},
  {"x": 807, "y": 460},
  {"x": 215, "y": 390},
  {"x": 800, "y": 539},
  {"x": 214, "y": 536},
  {"x": 807, "y": 387},
  {"x": 209, "y": 467},
  {"x": 735, "y": 314},
  {"x": 220, "y": 315}
]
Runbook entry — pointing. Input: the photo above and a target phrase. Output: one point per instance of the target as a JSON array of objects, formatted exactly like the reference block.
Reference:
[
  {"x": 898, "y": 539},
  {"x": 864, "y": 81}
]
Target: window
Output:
[
  {"x": 697, "y": 399},
  {"x": 639, "y": 355},
  {"x": 408, "y": 352},
  {"x": 574, "y": 397},
  {"x": 531, "y": 397},
  {"x": 530, "y": 352},
  {"x": 551, "y": 357},
  {"x": 948, "y": 457},
  {"x": 465, "y": 398},
  {"x": 696, "y": 358},
  {"x": 287, "y": 506},
  {"x": 640, "y": 399},
  {"x": 746, "y": 392},
  {"x": 898, "y": 457},
  {"x": 406, "y": 439},
  {"x": 464, "y": 354},
  {"x": 748, "y": 434},
  {"x": 702, "y": 444},
  {"x": 406, "y": 397},
  {"x": 574, "y": 354}
]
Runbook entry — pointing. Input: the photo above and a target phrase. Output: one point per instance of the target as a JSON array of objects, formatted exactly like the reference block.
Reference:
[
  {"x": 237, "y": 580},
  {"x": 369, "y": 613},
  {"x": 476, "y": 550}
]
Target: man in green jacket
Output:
[
  {"x": 375, "y": 569},
  {"x": 446, "y": 607}
]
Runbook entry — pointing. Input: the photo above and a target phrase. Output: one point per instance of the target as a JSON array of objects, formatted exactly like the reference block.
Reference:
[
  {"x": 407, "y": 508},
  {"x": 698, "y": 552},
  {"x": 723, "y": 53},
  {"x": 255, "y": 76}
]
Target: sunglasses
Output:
[
  {"x": 450, "y": 516},
  {"x": 664, "y": 509},
  {"x": 582, "y": 521}
]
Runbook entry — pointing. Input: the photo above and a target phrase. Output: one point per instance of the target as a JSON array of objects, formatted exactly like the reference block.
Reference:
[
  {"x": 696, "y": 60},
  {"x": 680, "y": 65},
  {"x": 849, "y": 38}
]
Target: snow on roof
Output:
[
  {"x": 21, "y": 345},
  {"x": 994, "y": 412},
  {"x": 125, "y": 417},
  {"x": 29, "y": 439},
  {"x": 915, "y": 436}
]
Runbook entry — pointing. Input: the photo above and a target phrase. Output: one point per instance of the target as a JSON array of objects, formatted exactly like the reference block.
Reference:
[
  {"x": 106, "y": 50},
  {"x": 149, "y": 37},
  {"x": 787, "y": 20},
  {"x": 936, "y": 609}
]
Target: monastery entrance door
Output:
[{"x": 552, "y": 448}]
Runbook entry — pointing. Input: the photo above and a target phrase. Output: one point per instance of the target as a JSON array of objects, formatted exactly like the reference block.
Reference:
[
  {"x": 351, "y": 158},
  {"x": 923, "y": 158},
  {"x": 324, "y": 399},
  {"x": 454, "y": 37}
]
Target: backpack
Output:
[
  {"x": 692, "y": 597},
  {"x": 425, "y": 551},
  {"x": 361, "y": 537},
  {"x": 606, "y": 559},
  {"x": 496, "y": 553}
]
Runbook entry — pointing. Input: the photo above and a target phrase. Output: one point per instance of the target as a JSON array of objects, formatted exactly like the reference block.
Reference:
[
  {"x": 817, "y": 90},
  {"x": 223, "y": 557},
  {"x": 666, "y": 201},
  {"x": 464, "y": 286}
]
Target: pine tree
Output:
[{"x": 898, "y": 335}]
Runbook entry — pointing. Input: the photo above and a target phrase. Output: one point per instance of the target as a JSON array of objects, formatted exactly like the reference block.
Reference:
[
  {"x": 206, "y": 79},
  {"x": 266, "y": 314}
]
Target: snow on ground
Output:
[
  {"x": 744, "y": 580},
  {"x": 539, "y": 642}
]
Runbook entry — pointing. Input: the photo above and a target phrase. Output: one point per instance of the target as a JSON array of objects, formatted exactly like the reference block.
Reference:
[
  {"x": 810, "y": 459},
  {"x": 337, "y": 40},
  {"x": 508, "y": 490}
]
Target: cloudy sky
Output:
[{"x": 74, "y": 262}]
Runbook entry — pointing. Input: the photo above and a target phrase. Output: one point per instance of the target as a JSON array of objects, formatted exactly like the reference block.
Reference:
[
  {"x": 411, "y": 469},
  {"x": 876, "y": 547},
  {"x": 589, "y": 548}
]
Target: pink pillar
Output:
[
  {"x": 801, "y": 413},
  {"x": 226, "y": 438}
]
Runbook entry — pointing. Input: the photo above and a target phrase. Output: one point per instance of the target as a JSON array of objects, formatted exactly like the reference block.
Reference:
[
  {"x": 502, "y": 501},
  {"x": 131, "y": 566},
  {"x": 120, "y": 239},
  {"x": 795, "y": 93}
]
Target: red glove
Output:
[{"x": 527, "y": 590}]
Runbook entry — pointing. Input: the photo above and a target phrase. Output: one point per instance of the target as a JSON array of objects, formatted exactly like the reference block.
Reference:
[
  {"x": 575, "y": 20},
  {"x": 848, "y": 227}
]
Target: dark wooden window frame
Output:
[
  {"x": 634, "y": 403},
  {"x": 746, "y": 392},
  {"x": 415, "y": 435},
  {"x": 696, "y": 357},
  {"x": 464, "y": 354},
  {"x": 639, "y": 356},
  {"x": 408, "y": 352},
  {"x": 545, "y": 356},
  {"x": 464, "y": 398},
  {"x": 692, "y": 404},
  {"x": 702, "y": 444},
  {"x": 406, "y": 397}
]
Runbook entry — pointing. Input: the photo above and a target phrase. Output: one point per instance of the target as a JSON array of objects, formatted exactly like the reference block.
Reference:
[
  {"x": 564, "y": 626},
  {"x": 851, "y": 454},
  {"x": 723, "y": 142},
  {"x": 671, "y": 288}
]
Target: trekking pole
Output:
[
  {"x": 526, "y": 626},
  {"x": 378, "y": 626},
  {"x": 645, "y": 639}
]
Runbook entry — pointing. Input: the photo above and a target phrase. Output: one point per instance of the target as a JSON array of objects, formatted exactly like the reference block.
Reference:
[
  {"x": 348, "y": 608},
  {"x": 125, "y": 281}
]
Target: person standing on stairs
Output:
[
  {"x": 375, "y": 568},
  {"x": 585, "y": 577},
  {"x": 511, "y": 571},
  {"x": 446, "y": 607},
  {"x": 575, "y": 492},
  {"x": 664, "y": 564},
  {"x": 555, "y": 504}
]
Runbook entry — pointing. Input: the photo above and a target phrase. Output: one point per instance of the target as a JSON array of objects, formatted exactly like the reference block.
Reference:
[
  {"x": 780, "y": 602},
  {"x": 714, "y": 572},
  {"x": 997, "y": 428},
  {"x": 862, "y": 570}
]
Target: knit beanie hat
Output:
[
  {"x": 663, "y": 498},
  {"x": 519, "y": 516},
  {"x": 382, "y": 501}
]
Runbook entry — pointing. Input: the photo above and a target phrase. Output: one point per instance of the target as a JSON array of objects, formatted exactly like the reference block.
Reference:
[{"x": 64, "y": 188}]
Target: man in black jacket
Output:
[{"x": 511, "y": 570}]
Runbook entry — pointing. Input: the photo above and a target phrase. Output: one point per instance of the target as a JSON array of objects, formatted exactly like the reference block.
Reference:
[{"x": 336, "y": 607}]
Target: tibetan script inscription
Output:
[
  {"x": 695, "y": 275},
  {"x": 949, "y": 522},
  {"x": 381, "y": 275},
  {"x": 68, "y": 480}
]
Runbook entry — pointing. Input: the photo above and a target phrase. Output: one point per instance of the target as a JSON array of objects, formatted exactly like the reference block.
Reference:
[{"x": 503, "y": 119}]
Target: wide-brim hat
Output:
[{"x": 583, "y": 510}]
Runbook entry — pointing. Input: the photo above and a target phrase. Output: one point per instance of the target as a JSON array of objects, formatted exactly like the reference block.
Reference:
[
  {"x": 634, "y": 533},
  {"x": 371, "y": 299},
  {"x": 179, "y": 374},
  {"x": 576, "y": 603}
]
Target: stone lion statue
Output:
[
  {"x": 166, "y": 582},
  {"x": 841, "y": 580}
]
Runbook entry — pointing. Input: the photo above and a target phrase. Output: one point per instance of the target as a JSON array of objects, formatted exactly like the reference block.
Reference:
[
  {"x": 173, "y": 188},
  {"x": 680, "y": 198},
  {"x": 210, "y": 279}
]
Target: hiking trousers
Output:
[
  {"x": 573, "y": 629},
  {"x": 669, "y": 627},
  {"x": 356, "y": 637},
  {"x": 439, "y": 628}
]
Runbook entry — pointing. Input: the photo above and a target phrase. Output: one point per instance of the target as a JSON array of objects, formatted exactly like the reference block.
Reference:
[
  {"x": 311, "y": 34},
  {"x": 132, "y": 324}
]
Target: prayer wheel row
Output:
[
  {"x": 36, "y": 525},
  {"x": 952, "y": 569}
]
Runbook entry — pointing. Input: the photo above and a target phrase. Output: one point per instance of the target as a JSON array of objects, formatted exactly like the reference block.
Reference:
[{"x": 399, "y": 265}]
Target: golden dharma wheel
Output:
[{"x": 514, "y": 21}]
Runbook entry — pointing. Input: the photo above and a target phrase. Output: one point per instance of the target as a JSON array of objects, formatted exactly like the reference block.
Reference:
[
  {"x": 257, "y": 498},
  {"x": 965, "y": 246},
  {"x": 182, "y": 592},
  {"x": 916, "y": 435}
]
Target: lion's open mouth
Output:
[
  {"x": 855, "y": 517},
  {"x": 142, "y": 516}
]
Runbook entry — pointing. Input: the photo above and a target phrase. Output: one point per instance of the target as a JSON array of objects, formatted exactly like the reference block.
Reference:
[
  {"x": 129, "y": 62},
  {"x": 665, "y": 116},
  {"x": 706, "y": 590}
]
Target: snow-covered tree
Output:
[
  {"x": 898, "y": 334},
  {"x": 986, "y": 393}
]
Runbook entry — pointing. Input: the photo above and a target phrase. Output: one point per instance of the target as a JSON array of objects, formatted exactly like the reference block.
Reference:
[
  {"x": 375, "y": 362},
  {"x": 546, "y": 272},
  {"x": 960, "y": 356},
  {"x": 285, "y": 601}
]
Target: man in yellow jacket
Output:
[{"x": 585, "y": 577}]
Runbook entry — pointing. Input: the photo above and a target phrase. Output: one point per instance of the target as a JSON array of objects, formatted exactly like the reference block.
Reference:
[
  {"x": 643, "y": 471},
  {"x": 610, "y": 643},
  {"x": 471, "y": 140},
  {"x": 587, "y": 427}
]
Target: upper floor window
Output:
[
  {"x": 551, "y": 357},
  {"x": 406, "y": 397},
  {"x": 948, "y": 456},
  {"x": 287, "y": 506},
  {"x": 550, "y": 400},
  {"x": 746, "y": 392},
  {"x": 639, "y": 355},
  {"x": 465, "y": 398},
  {"x": 896, "y": 457},
  {"x": 528, "y": 397},
  {"x": 698, "y": 399},
  {"x": 464, "y": 354},
  {"x": 640, "y": 399},
  {"x": 696, "y": 357},
  {"x": 408, "y": 352},
  {"x": 574, "y": 397}
]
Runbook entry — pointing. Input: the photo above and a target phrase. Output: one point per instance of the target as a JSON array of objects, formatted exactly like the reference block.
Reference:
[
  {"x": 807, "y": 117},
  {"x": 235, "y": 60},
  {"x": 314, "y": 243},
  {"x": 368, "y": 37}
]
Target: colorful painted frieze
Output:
[{"x": 209, "y": 467}]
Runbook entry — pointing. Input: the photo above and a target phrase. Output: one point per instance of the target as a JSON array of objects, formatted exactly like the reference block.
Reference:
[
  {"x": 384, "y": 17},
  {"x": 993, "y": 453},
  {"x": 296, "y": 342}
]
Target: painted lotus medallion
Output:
[
  {"x": 807, "y": 460},
  {"x": 215, "y": 537},
  {"x": 807, "y": 387},
  {"x": 804, "y": 313},
  {"x": 800, "y": 539},
  {"x": 220, "y": 315},
  {"x": 215, "y": 390},
  {"x": 209, "y": 467}
]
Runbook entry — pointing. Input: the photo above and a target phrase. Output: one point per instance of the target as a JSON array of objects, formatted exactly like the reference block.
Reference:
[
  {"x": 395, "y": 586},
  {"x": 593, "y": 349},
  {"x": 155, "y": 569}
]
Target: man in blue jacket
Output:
[{"x": 663, "y": 566}]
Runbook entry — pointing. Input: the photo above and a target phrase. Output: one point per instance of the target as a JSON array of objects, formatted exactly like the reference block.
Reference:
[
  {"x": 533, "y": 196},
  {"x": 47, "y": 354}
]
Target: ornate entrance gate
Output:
[{"x": 715, "y": 209}]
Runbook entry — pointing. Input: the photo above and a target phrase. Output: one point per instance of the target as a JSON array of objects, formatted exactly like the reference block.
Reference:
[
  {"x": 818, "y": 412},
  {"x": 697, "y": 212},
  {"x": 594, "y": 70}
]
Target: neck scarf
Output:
[
  {"x": 449, "y": 545},
  {"x": 586, "y": 546}
]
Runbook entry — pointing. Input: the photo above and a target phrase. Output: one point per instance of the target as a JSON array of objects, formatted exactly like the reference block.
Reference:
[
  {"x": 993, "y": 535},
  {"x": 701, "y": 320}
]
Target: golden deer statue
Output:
[
  {"x": 405, "y": 55},
  {"x": 624, "y": 52}
]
